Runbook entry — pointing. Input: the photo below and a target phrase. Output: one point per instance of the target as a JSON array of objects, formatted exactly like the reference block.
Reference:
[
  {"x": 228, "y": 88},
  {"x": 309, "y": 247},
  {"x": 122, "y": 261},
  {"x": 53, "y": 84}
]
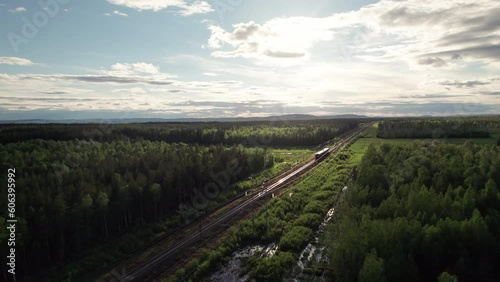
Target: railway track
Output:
[{"x": 143, "y": 271}]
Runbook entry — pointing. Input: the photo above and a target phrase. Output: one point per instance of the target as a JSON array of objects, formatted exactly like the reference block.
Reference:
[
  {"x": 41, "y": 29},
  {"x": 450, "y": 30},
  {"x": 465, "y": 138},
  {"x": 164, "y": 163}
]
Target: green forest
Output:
[
  {"x": 289, "y": 221},
  {"x": 438, "y": 128},
  {"x": 89, "y": 194},
  {"x": 424, "y": 211},
  {"x": 74, "y": 194},
  {"x": 251, "y": 133}
]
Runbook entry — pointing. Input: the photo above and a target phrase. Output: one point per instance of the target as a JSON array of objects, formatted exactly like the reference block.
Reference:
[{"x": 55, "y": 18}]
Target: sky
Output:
[{"x": 74, "y": 59}]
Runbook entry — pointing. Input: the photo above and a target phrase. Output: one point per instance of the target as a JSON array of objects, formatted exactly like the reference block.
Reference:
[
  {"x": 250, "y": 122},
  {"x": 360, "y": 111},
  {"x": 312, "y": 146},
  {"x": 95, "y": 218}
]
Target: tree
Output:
[
  {"x": 86, "y": 205},
  {"x": 446, "y": 277},
  {"x": 102, "y": 203},
  {"x": 419, "y": 230},
  {"x": 489, "y": 195},
  {"x": 373, "y": 269},
  {"x": 156, "y": 192}
]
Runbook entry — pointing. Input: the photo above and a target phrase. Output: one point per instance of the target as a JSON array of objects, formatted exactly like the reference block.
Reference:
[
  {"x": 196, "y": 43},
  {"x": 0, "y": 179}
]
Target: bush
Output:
[
  {"x": 314, "y": 207},
  {"x": 295, "y": 239},
  {"x": 273, "y": 268},
  {"x": 311, "y": 220}
]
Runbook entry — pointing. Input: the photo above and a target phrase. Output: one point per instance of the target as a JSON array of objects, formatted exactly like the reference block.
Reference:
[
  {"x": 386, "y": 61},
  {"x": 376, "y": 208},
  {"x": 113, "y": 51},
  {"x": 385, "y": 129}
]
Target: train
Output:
[{"x": 321, "y": 153}]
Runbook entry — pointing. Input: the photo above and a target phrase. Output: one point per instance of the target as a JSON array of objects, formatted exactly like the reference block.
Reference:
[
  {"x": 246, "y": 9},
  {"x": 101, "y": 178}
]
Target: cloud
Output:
[
  {"x": 210, "y": 74},
  {"x": 183, "y": 7},
  {"x": 133, "y": 69},
  {"x": 432, "y": 61},
  {"x": 431, "y": 96},
  {"x": 18, "y": 10},
  {"x": 489, "y": 52},
  {"x": 431, "y": 33},
  {"x": 198, "y": 7},
  {"x": 56, "y": 92},
  {"x": 283, "y": 54},
  {"x": 464, "y": 84},
  {"x": 15, "y": 61},
  {"x": 481, "y": 27},
  {"x": 257, "y": 104},
  {"x": 117, "y": 13},
  {"x": 282, "y": 38},
  {"x": 490, "y": 93},
  {"x": 421, "y": 33},
  {"x": 103, "y": 79},
  {"x": 119, "y": 73},
  {"x": 388, "y": 58},
  {"x": 126, "y": 73},
  {"x": 22, "y": 99}
]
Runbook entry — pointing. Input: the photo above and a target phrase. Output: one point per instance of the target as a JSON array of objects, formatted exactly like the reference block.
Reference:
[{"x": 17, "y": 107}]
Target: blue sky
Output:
[{"x": 69, "y": 59}]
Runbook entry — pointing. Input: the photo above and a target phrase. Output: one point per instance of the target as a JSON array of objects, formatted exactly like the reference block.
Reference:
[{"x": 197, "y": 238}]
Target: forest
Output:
[
  {"x": 73, "y": 195},
  {"x": 88, "y": 194},
  {"x": 438, "y": 128},
  {"x": 425, "y": 211},
  {"x": 289, "y": 222},
  {"x": 251, "y": 133}
]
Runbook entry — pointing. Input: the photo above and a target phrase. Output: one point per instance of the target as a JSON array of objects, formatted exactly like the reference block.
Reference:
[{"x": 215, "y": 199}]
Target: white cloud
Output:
[
  {"x": 125, "y": 87},
  {"x": 120, "y": 13},
  {"x": 278, "y": 38},
  {"x": 18, "y": 10},
  {"x": 422, "y": 33},
  {"x": 184, "y": 8},
  {"x": 15, "y": 61},
  {"x": 140, "y": 87},
  {"x": 392, "y": 57},
  {"x": 198, "y": 7},
  {"x": 117, "y": 13},
  {"x": 429, "y": 34},
  {"x": 125, "y": 69},
  {"x": 210, "y": 74}
]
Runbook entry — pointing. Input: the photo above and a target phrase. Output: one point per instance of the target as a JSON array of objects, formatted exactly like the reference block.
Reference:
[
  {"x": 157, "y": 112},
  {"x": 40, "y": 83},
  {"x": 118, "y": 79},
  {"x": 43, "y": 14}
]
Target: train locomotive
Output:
[{"x": 319, "y": 155}]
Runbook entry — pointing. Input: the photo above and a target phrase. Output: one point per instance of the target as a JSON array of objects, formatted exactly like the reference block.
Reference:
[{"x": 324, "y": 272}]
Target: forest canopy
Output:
[
  {"x": 252, "y": 133},
  {"x": 438, "y": 128},
  {"x": 73, "y": 195},
  {"x": 420, "y": 212}
]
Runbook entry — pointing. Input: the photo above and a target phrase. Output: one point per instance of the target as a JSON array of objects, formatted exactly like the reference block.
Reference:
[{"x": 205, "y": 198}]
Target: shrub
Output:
[
  {"x": 311, "y": 220},
  {"x": 295, "y": 239}
]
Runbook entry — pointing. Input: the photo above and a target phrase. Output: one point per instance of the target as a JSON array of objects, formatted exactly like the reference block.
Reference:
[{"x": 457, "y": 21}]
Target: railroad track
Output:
[{"x": 139, "y": 273}]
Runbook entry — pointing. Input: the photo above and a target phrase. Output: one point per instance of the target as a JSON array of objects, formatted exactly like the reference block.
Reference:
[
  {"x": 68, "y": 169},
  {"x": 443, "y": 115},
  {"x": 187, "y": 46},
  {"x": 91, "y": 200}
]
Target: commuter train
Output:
[{"x": 321, "y": 153}]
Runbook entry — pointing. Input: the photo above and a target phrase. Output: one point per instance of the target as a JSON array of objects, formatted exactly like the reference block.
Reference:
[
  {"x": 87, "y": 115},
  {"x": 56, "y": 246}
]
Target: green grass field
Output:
[
  {"x": 368, "y": 137},
  {"x": 284, "y": 158},
  {"x": 292, "y": 155}
]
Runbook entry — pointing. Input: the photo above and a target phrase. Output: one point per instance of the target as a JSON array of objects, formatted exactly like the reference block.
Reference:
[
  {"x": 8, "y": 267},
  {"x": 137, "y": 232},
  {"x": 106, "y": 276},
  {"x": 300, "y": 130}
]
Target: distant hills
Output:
[{"x": 151, "y": 120}]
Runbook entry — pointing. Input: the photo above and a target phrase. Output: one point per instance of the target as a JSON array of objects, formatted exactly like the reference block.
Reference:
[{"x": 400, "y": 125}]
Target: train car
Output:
[{"x": 321, "y": 153}]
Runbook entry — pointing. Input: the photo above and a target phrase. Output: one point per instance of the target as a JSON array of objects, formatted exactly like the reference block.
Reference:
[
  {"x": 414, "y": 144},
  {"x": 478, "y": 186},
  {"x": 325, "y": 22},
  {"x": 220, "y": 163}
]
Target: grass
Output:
[
  {"x": 284, "y": 158},
  {"x": 325, "y": 184},
  {"x": 368, "y": 137},
  {"x": 292, "y": 155},
  {"x": 480, "y": 141},
  {"x": 313, "y": 194}
]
